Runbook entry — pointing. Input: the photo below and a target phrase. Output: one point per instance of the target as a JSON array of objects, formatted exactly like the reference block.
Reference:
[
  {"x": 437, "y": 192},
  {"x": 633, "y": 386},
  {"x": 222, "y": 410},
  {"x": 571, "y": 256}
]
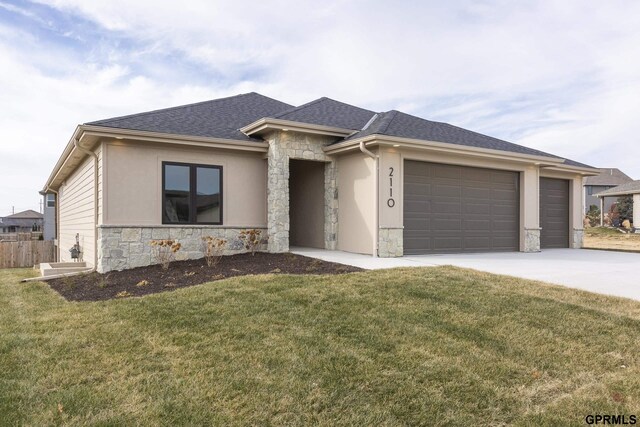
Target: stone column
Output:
[
  {"x": 330, "y": 205},
  {"x": 578, "y": 235},
  {"x": 278, "y": 195},
  {"x": 531, "y": 240}
]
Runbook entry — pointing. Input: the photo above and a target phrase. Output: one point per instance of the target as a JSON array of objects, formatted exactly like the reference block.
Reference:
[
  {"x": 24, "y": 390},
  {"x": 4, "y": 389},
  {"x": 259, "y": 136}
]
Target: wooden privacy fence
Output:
[{"x": 26, "y": 253}]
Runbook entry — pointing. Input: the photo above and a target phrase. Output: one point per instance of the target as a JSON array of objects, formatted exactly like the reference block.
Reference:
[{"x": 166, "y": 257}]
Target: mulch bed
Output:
[{"x": 180, "y": 274}]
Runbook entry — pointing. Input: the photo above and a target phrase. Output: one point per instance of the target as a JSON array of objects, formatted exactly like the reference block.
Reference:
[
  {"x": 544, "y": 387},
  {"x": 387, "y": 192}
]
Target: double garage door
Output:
[
  {"x": 459, "y": 209},
  {"x": 450, "y": 209}
]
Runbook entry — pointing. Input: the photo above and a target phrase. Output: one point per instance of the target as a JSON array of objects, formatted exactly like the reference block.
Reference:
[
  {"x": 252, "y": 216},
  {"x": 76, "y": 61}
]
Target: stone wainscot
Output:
[{"x": 124, "y": 247}]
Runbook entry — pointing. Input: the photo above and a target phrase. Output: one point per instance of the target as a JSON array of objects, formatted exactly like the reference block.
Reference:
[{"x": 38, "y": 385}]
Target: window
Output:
[
  {"x": 589, "y": 190},
  {"x": 191, "y": 194},
  {"x": 51, "y": 200}
]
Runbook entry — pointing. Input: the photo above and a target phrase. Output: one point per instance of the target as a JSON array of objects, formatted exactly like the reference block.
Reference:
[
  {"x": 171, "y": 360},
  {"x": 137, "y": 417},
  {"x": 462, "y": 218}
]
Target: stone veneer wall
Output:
[
  {"x": 293, "y": 145},
  {"x": 532, "y": 240},
  {"x": 123, "y": 247},
  {"x": 390, "y": 242},
  {"x": 577, "y": 238}
]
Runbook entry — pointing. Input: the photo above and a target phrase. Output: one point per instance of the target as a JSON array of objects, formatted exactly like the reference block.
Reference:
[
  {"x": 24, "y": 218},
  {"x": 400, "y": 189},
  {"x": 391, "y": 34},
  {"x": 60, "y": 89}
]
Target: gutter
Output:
[
  {"x": 76, "y": 142},
  {"x": 376, "y": 210}
]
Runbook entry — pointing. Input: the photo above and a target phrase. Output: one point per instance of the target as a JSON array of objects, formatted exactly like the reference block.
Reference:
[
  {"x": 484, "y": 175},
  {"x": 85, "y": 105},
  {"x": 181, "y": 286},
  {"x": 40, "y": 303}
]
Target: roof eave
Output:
[
  {"x": 89, "y": 135},
  {"x": 266, "y": 124},
  {"x": 378, "y": 139},
  {"x": 618, "y": 193}
]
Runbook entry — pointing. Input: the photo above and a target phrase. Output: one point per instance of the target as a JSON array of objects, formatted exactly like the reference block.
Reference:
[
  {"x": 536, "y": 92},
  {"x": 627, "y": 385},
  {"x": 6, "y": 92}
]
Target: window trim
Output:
[{"x": 193, "y": 172}]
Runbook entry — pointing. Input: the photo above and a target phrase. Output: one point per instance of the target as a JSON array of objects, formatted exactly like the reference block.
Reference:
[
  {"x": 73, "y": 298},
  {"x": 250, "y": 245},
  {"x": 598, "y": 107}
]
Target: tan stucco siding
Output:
[
  {"x": 133, "y": 183},
  {"x": 77, "y": 212},
  {"x": 356, "y": 201}
]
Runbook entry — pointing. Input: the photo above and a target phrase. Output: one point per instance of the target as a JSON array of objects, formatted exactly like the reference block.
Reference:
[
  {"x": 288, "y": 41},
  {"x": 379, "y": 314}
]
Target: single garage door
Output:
[
  {"x": 554, "y": 213},
  {"x": 459, "y": 209}
]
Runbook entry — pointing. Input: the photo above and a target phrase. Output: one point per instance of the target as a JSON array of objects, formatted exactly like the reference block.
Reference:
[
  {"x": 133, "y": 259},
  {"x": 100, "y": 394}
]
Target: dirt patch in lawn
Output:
[
  {"x": 610, "y": 239},
  {"x": 180, "y": 274}
]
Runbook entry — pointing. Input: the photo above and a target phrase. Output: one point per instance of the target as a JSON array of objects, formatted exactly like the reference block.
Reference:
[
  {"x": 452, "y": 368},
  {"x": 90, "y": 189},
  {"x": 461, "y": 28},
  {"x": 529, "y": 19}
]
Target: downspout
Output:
[
  {"x": 376, "y": 209},
  {"x": 76, "y": 142}
]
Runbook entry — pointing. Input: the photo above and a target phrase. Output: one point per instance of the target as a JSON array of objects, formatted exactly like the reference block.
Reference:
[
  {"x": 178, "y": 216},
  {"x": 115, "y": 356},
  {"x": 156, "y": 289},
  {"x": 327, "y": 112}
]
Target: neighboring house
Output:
[
  {"x": 21, "y": 222},
  {"x": 49, "y": 209},
  {"x": 608, "y": 178},
  {"x": 325, "y": 174},
  {"x": 629, "y": 189}
]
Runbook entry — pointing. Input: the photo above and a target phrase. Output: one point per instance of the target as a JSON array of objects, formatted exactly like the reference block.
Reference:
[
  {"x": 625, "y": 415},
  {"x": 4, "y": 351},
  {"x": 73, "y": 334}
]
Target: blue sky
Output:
[{"x": 562, "y": 77}]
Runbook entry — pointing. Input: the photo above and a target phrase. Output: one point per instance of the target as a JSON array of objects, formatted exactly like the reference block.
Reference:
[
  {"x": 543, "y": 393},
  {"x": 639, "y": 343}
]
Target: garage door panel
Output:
[
  {"x": 445, "y": 207},
  {"x": 503, "y": 177},
  {"x": 446, "y": 224},
  {"x": 475, "y": 174},
  {"x": 554, "y": 213},
  {"x": 468, "y": 209},
  {"x": 446, "y": 190},
  {"x": 502, "y": 194},
  {"x": 477, "y": 243},
  {"x": 476, "y": 193},
  {"x": 475, "y": 208},
  {"x": 504, "y": 209},
  {"x": 447, "y": 243},
  {"x": 442, "y": 171}
]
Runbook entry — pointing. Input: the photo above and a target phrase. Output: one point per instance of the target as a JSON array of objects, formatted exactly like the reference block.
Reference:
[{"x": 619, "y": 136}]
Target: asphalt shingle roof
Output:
[
  {"x": 608, "y": 176},
  {"x": 222, "y": 118},
  {"x": 396, "y": 123},
  {"x": 218, "y": 118},
  {"x": 328, "y": 112},
  {"x": 632, "y": 187},
  {"x": 28, "y": 214}
]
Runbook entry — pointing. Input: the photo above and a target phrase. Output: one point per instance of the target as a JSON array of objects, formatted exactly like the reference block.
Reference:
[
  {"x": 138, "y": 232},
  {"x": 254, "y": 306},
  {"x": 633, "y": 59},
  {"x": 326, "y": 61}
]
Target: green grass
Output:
[{"x": 433, "y": 346}]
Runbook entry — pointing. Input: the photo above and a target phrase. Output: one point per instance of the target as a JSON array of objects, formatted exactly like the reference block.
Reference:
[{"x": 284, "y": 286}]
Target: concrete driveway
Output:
[{"x": 605, "y": 272}]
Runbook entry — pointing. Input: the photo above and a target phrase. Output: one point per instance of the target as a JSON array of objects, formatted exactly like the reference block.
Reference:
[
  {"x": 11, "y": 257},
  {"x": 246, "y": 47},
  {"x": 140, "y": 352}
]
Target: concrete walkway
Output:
[{"x": 605, "y": 272}]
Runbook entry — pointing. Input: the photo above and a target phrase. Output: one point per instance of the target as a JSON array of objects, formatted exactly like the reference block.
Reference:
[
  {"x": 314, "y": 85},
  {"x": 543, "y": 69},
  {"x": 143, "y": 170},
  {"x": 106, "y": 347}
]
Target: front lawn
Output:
[
  {"x": 413, "y": 346},
  {"x": 611, "y": 238}
]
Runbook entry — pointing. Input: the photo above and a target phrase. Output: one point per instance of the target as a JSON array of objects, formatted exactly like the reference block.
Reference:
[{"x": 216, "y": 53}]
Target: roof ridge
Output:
[
  {"x": 163, "y": 110},
  {"x": 300, "y": 107},
  {"x": 386, "y": 120}
]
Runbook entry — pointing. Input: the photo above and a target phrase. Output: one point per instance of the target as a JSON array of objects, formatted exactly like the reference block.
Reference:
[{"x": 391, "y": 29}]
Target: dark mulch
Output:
[{"x": 180, "y": 274}]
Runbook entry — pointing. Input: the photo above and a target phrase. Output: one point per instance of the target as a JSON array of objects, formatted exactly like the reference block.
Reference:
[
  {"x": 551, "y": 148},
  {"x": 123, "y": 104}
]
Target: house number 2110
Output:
[{"x": 390, "y": 201}]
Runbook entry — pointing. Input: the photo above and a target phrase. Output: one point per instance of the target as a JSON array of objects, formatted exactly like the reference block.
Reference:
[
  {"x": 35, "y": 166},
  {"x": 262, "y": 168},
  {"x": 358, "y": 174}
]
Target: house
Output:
[
  {"x": 631, "y": 189},
  {"x": 606, "y": 179},
  {"x": 22, "y": 222},
  {"x": 325, "y": 174}
]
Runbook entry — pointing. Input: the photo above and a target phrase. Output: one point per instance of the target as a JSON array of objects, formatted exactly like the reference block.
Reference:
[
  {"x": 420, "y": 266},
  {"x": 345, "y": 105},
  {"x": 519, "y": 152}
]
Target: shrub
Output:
[
  {"x": 625, "y": 207},
  {"x": 251, "y": 239},
  {"x": 594, "y": 215},
  {"x": 213, "y": 249},
  {"x": 165, "y": 251}
]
